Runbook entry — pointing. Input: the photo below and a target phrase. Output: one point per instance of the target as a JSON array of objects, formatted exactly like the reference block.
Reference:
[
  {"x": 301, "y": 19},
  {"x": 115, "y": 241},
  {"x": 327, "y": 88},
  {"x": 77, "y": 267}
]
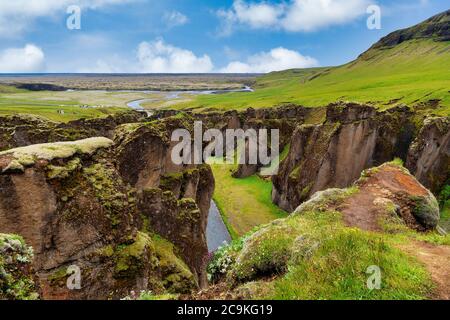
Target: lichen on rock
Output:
[{"x": 27, "y": 156}]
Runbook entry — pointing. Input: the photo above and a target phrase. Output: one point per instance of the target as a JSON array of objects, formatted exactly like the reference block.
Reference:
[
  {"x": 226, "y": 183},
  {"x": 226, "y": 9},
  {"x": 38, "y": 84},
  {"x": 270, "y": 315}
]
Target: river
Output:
[
  {"x": 216, "y": 232},
  {"x": 171, "y": 95}
]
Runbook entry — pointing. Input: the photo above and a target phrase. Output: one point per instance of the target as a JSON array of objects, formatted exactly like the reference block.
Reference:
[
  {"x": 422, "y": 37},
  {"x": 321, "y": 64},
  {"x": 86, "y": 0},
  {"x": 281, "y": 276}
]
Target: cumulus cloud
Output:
[
  {"x": 27, "y": 59},
  {"x": 160, "y": 57},
  {"x": 256, "y": 15},
  {"x": 275, "y": 60},
  {"x": 293, "y": 16},
  {"x": 175, "y": 19},
  {"x": 17, "y": 15}
]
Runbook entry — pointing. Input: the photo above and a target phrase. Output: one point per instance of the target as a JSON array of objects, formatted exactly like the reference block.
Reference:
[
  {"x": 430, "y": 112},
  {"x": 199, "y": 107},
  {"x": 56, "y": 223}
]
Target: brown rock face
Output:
[
  {"x": 174, "y": 198},
  {"x": 429, "y": 155},
  {"x": 68, "y": 209},
  {"x": 90, "y": 204},
  {"x": 333, "y": 154}
]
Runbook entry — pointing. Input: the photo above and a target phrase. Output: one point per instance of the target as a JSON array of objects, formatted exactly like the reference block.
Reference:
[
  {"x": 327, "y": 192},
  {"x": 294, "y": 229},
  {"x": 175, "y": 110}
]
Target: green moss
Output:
[
  {"x": 426, "y": 210},
  {"x": 176, "y": 275},
  {"x": 61, "y": 172},
  {"x": 312, "y": 254},
  {"x": 107, "y": 251},
  {"x": 14, "y": 166},
  {"x": 271, "y": 256},
  {"x": 130, "y": 258},
  {"x": 58, "y": 276},
  {"x": 27, "y": 156},
  {"x": 170, "y": 181},
  {"x": 397, "y": 162},
  {"x": 188, "y": 210},
  {"x": 107, "y": 186}
]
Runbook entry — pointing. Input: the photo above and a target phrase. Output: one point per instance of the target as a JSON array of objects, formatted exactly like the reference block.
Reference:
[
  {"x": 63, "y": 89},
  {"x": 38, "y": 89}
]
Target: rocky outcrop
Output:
[
  {"x": 391, "y": 188},
  {"x": 436, "y": 28},
  {"x": 23, "y": 130},
  {"x": 429, "y": 154},
  {"x": 333, "y": 154},
  {"x": 71, "y": 204}
]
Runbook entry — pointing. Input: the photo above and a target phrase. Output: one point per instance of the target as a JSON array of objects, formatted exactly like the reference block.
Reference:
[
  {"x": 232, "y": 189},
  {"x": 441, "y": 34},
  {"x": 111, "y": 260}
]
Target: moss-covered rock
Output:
[{"x": 27, "y": 156}]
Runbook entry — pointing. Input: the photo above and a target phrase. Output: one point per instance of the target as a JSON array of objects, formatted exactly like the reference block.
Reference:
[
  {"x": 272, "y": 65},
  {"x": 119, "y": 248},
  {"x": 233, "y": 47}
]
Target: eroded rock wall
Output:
[
  {"x": 429, "y": 155},
  {"x": 174, "y": 198},
  {"x": 87, "y": 203},
  {"x": 353, "y": 138}
]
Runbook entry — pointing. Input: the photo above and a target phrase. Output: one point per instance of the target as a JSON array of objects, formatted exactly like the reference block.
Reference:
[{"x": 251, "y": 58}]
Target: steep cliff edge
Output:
[
  {"x": 76, "y": 203},
  {"x": 429, "y": 154},
  {"x": 175, "y": 199},
  {"x": 356, "y": 137}
]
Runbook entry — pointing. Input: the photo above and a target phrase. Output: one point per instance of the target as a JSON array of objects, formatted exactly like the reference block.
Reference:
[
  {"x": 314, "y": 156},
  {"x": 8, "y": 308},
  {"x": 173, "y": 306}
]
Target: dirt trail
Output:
[{"x": 437, "y": 261}]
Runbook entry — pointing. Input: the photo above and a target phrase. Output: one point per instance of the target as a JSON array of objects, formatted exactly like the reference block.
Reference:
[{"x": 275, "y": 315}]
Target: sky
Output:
[{"x": 201, "y": 36}]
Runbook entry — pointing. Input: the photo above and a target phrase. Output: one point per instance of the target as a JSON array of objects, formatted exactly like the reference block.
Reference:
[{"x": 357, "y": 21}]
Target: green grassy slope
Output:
[
  {"x": 409, "y": 66},
  {"x": 412, "y": 72},
  {"x": 243, "y": 203}
]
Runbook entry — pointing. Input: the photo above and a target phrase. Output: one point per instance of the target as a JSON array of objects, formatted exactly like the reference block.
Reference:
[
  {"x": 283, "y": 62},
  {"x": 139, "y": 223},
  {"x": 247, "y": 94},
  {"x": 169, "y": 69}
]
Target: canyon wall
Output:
[
  {"x": 356, "y": 137},
  {"x": 106, "y": 207}
]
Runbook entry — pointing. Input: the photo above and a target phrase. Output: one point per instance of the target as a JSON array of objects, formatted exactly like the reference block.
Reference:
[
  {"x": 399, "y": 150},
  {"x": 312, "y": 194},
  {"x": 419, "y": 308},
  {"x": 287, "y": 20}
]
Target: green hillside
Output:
[{"x": 409, "y": 66}]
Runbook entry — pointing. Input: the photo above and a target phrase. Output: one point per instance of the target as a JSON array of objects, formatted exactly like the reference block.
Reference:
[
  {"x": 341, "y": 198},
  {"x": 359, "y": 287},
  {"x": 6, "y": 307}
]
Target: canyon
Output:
[{"x": 143, "y": 219}]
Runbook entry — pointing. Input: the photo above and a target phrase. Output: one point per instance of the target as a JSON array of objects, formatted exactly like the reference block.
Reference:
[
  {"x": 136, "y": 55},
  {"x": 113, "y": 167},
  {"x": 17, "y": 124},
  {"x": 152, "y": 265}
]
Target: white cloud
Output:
[
  {"x": 310, "y": 15},
  {"x": 16, "y": 16},
  {"x": 275, "y": 60},
  {"x": 174, "y": 19},
  {"x": 159, "y": 57},
  {"x": 293, "y": 16},
  {"x": 27, "y": 59},
  {"x": 151, "y": 57}
]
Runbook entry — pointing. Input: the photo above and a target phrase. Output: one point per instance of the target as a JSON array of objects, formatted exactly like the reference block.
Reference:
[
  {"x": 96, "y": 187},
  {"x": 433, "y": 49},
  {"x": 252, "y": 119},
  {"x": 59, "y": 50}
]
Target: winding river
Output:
[
  {"x": 216, "y": 232},
  {"x": 171, "y": 95}
]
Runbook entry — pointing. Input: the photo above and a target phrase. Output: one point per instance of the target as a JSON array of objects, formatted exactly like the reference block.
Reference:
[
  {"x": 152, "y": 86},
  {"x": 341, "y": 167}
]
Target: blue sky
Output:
[{"x": 195, "y": 36}]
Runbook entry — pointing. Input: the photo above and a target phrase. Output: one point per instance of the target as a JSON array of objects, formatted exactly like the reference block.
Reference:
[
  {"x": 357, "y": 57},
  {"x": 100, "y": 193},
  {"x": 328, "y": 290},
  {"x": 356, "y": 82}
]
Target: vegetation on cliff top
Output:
[{"x": 414, "y": 73}]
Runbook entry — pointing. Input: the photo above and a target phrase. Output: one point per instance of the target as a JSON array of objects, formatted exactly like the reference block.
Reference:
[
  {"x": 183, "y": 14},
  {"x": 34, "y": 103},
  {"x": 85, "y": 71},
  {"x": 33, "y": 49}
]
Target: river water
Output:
[
  {"x": 216, "y": 231},
  {"x": 171, "y": 95}
]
